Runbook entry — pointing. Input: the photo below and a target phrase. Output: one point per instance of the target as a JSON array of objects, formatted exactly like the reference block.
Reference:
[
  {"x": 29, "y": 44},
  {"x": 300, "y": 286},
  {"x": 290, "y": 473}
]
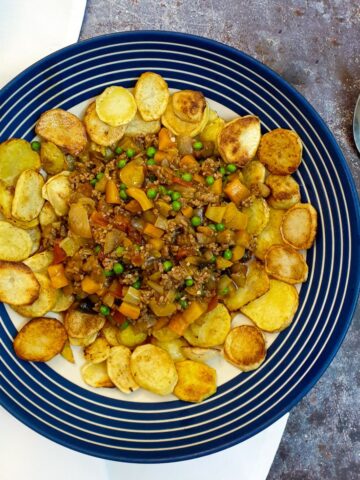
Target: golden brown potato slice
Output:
[
  {"x": 258, "y": 215},
  {"x": 151, "y": 94},
  {"x": 110, "y": 332},
  {"x": 118, "y": 366},
  {"x": 285, "y": 191},
  {"x": 212, "y": 130},
  {"x": 98, "y": 351},
  {"x": 210, "y": 329},
  {"x": 83, "y": 342},
  {"x": 280, "y": 151},
  {"x": 28, "y": 201},
  {"x": 138, "y": 126},
  {"x": 253, "y": 173},
  {"x": 62, "y": 128},
  {"x": 286, "y": 264},
  {"x": 47, "y": 215},
  {"x": 299, "y": 226},
  {"x": 173, "y": 347},
  {"x": 153, "y": 369},
  {"x": 189, "y": 105},
  {"x": 40, "y": 261},
  {"x": 100, "y": 132},
  {"x": 274, "y": 310},
  {"x": 23, "y": 225},
  {"x": 239, "y": 140},
  {"x": 199, "y": 354},
  {"x": 116, "y": 106},
  {"x": 130, "y": 337},
  {"x": 16, "y": 155},
  {"x": 256, "y": 284},
  {"x": 63, "y": 301},
  {"x": 96, "y": 375},
  {"x": 57, "y": 191},
  {"x": 82, "y": 325},
  {"x": 40, "y": 340},
  {"x": 245, "y": 347},
  {"x": 6, "y": 199},
  {"x": 52, "y": 158},
  {"x": 45, "y": 301},
  {"x": 35, "y": 236},
  {"x": 15, "y": 243},
  {"x": 271, "y": 234},
  {"x": 164, "y": 334},
  {"x": 18, "y": 284},
  {"x": 179, "y": 127},
  {"x": 196, "y": 382},
  {"x": 67, "y": 353}
]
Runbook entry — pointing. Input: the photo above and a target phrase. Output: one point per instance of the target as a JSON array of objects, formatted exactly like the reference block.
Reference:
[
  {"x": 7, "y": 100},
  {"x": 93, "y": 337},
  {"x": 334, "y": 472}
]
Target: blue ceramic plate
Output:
[{"x": 148, "y": 430}]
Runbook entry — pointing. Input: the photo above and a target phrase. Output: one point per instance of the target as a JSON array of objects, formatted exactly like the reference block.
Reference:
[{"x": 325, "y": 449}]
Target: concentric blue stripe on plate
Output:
[{"x": 170, "y": 431}]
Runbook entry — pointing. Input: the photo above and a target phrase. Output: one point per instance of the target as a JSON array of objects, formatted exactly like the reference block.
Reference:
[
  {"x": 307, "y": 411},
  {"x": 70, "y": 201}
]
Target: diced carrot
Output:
[
  {"x": 160, "y": 156},
  {"x": 88, "y": 285},
  {"x": 153, "y": 231},
  {"x": 121, "y": 222},
  {"x": 199, "y": 178},
  {"x": 133, "y": 206},
  {"x": 98, "y": 218},
  {"x": 118, "y": 317},
  {"x": 189, "y": 163},
  {"x": 236, "y": 191},
  {"x": 216, "y": 187},
  {"x": 187, "y": 211},
  {"x": 180, "y": 181},
  {"x": 161, "y": 322},
  {"x": 141, "y": 197},
  {"x": 116, "y": 289},
  {"x": 112, "y": 193},
  {"x": 180, "y": 321},
  {"x": 165, "y": 139},
  {"x": 59, "y": 254},
  {"x": 57, "y": 276},
  {"x": 178, "y": 324},
  {"x": 129, "y": 310},
  {"x": 213, "y": 303}
]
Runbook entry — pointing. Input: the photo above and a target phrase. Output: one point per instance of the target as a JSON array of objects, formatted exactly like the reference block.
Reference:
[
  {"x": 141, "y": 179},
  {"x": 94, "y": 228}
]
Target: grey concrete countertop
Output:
[{"x": 315, "y": 45}]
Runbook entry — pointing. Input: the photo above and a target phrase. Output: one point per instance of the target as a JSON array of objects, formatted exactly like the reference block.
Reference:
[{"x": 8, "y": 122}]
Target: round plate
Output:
[{"x": 154, "y": 431}]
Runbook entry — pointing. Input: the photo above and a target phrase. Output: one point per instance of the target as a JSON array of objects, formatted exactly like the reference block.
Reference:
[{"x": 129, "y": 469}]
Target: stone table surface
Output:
[{"x": 314, "y": 45}]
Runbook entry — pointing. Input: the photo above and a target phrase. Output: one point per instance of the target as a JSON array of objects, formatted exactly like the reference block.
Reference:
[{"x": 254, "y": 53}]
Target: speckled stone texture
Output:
[{"x": 314, "y": 45}]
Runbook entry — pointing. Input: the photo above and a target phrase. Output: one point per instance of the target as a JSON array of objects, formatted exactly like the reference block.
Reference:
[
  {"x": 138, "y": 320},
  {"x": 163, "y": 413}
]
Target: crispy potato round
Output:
[
  {"x": 286, "y": 264},
  {"x": 116, "y": 106},
  {"x": 179, "y": 127},
  {"x": 84, "y": 341},
  {"x": 274, "y": 310},
  {"x": 245, "y": 347},
  {"x": 138, "y": 126},
  {"x": 130, "y": 337},
  {"x": 26, "y": 158},
  {"x": 98, "y": 351},
  {"x": 271, "y": 234},
  {"x": 118, "y": 366},
  {"x": 189, "y": 105},
  {"x": 285, "y": 191},
  {"x": 83, "y": 325},
  {"x": 45, "y": 301},
  {"x": 109, "y": 332},
  {"x": 63, "y": 301},
  {"x": 164, "y": 334},
  {"x": 57, "y": 191},
  {"x": 100, "y": 132},
  {"x": 40, "y": 340},
  {"x": 210, "y": 329},
  {"x": 173, "y": 347},
  {"x": 212, "y": 130},
  {"x": 67, "y": 352},
  {"x": 23, "y": 225},
  {"x": 62, "y": 128},
  {"x": 153, "y": 369},
  {"x": 199, "y": 354},
  {"x": 280, "y": 151},
  {"x": 253, "y": 173},
  {"x": 18, "y": 284},
  {"x": 196, "y": 381},
  {"x": 28, "y": 201},
  {"x": 52, "y": 158},
  {"x": 258, "y": 215},
  {"x": 96, "y": 375},
  {"x": 151, "y": 94},
  {"x": 40, "y": 261},
  {"x": 6, "y": 199},
  {"x": 238, "y": 141},
  {"x": 15, "y": 243},
  {"x": 299, "y": 226},
  {"x": 47, "y": 215},
  {"x": 35, "y": 235}
]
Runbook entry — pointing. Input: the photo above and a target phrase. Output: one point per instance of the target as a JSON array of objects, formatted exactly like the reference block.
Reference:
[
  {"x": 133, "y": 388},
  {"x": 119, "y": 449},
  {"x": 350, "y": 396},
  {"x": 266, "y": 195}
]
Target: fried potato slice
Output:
[
  {"x": 284, "y": 263},
  {"x": 35, "y": 236},
  {"x": 196, "y": 381},
  {"x": 285, "y": 191},
  {"x": 45, "y": 301},
  {"x": 173, "y": 347},
  {"x": 15, "y": 243},
  {"x": 96, "y": 375},
  {"x": 28, "y": 201},
  {"x": 16, "y": 155},
  {"x": 40, "y": 340},
  {"x": 164, "y": 334},
  {"x": 6, "y": 199},
  {"x": 256, "y": 284},
  {"x": 109, "y": 332},
  {"x": 271, "y": 234},
  {"x": 199, "y": 354},
  {"x": 179, "y": 127},
  {"x": 239, "y": 140},
  {"x": 189, "y": 105},
  {"x": 299, "y": 226},
  {"x": 152, "y": 95},
  {"x": 47, "y": 215},
  {"x": 280, "y": 151},
  {"x": 100, "y": 132},
  {"x": 130, "y": 337},
  {"x": 253, "y": 173},
  {"x": 118, "y": 366},
  {"x": 245, "y": 347},
  {"x": 138, "y": 126},
  {"x": 67, "y": 352},
  {"x": 116, "y": 106},
  {"x": 212, "y": 130},
  {"x": 273, "y": 311},
  {"x": 210, "y": 329},
  {"x": 62, "y": 128},
  {"x": 83, "y": 325},
  {"x": 18, "y": 284},
  {"x": 57, "y": 191},
  {"x": 40, "y": 261},
  {"x": 52, "y": 158},
  {"x": 258, "y": 215},
  {"x": 98, "y": 351},
  {"x": 83, "y": 342},
  {"x": 153, "y": 369},
  {"x": 23, "y": 225},
  {"x": 63, "y": 301}
]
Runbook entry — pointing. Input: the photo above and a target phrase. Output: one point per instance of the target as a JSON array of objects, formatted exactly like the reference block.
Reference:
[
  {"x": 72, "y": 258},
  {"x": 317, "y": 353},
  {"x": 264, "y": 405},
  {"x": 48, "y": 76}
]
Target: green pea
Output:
[
  {"x": 97, "y": 249},
  {"x": 183, "y": 304},
  {"x": 99, "y": 176},
  {"x": 189, "y": 282},
  {"x": 212, "y": 226},
  {"x": 197, "y": 145},
  {"x": 123, "y": 195},
  {"x": 175, "y": 195},
  {"x": 118, "y": 150},
  {"x": 227, "y": 254},
  {"x": 224, "y": 291},
  {"x": 231, "y": 168},
  {"x": 93, "y": 182},
  {"x": 187, "y": 177},
  {"x": 195, "y": 221},
  {"x": 151, "y": 193},
  {"x": 150, "y": 152},
  {"x": 163, "y": 190},
  {"x": 176, "y": 205},
  {"x": 220, "y": 227},
  {"x": 119, "y": 251},
  {"x": 137, "y": 284},
  {"x": 121, "y": 163},
  {"x": 222, "y": 170},
  {"x": 210, "y": 180},
  {"x": 35, "y": 145},
  {"x": 104, "y": 310},
  {"x": 150, "y": 162},
  {"x": 167, "y": 265},
  {"x": 123, "y": 186},
  {"x": 130, "y": 152},
  {"x": 118, "y": 268},
  {"x": 124, "y": 325},
  {"x": 108, "y": 273},
  {"x": 212, "y": 259}
]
